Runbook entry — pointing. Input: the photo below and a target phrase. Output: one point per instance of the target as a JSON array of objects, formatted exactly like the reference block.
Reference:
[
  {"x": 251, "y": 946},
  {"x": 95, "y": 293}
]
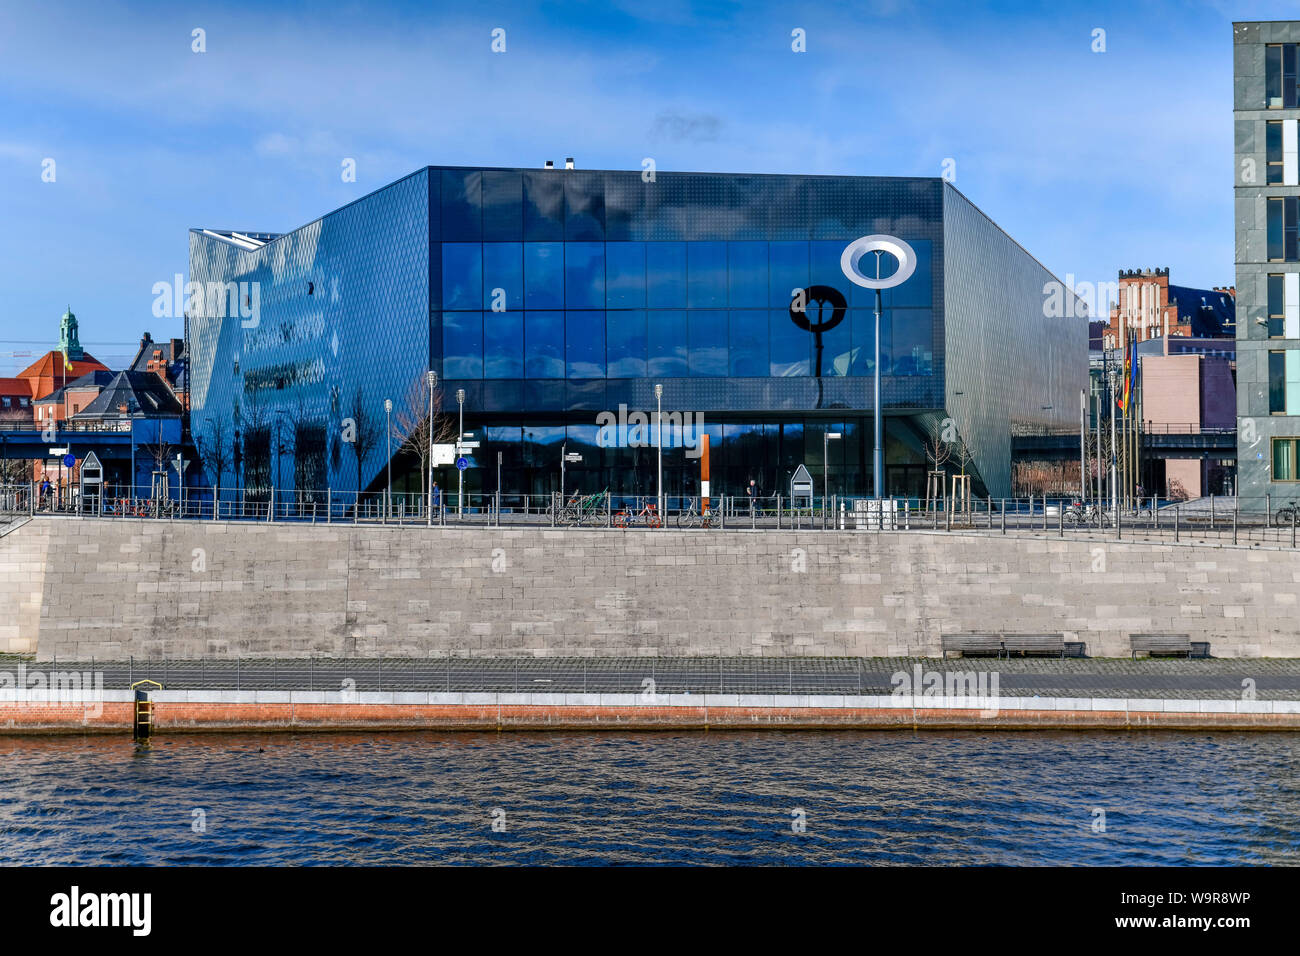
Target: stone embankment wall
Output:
[{"x": 89, "y": 588}]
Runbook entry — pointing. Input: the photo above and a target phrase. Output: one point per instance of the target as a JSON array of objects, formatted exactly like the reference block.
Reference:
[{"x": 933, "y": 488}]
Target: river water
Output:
[{"x": 645, "y": 798}]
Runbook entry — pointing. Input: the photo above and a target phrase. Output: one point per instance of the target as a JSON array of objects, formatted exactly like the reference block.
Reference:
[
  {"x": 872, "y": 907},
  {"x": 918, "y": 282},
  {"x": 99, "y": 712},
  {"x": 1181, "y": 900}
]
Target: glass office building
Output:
[{"x": 558, "y": 298}]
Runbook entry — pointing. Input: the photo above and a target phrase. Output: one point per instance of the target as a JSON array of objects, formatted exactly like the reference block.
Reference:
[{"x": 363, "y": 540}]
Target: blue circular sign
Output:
[
  {"x": 462, "y": 463},
  {"x": 69, "y": 461}
]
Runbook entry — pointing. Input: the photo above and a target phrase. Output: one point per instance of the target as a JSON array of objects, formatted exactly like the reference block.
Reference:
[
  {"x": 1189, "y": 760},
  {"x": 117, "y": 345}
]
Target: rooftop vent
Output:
[
  {"x": 568, "y": 162},
  {"x": 550, "y": 164}
]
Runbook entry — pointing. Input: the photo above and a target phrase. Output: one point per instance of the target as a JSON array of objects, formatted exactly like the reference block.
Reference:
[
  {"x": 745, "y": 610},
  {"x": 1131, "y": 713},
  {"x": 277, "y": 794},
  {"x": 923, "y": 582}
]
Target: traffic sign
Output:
[
  {"x": 573, "y": 456},
  {"x": 69, "y": 461},
  {"x": 468, "y": 445},
  {"x": 55, "y": 452},
  {"x": 462, "y": 463}
]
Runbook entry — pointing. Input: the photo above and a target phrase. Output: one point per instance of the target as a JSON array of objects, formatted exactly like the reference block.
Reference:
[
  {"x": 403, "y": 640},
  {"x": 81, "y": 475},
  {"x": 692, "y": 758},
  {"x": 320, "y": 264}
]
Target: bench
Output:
[
  {"x": 1153, "y": 644},
  {"x": 1034, "y": 644},
  {"x": 966, "y": 644}
]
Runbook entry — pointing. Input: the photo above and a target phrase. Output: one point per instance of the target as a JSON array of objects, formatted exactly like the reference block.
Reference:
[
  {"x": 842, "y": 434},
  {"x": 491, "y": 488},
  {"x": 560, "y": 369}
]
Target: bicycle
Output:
[
  {"x": 1289, "y": 513},
  {"x": 648, "y": 516},
  {"x": 694, "y": 518}
]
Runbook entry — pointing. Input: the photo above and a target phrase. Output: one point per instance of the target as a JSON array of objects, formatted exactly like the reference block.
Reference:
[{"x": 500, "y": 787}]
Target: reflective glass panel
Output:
[
  {"x": 543, "y": 275},
  {"x": 665, "y": 266},
  {"x": 462, "y": 275},
  {"x": 544, "y": 344},
  {"x": 503, "y": 345},
  {"x": 625, "y": 343},
  {"x": 503, "y": 270},
  {"x": 584, "y": 275},
  {"x": 625, "y": 275},
  {"x": 706, "y": 270},
  {"x": 666, "y": 344},
  {"x": 462, "y": 345},
  {"x": 585, "y": 338}
]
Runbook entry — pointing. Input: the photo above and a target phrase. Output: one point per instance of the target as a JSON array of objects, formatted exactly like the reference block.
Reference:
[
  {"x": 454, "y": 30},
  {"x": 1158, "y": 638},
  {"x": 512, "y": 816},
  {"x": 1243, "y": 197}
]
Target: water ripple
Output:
[{"x": 688, "y": 798}]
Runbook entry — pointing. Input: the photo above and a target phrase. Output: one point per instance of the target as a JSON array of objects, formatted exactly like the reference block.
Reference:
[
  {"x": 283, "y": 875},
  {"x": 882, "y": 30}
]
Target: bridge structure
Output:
[
  {"x": 123, "y": 447},
  {"x": 1158, "y": 441}
]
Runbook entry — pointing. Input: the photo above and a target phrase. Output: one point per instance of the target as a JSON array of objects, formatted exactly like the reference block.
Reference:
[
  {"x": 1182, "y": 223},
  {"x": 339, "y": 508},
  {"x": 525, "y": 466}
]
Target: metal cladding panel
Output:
[
  {"x": 1009, "y": 350},
  {"x": 342, "y": 316}
]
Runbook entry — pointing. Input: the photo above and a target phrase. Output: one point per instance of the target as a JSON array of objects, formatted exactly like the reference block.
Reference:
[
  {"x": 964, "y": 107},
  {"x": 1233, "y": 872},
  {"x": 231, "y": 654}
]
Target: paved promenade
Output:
[{"x": 1170, "y": 679}]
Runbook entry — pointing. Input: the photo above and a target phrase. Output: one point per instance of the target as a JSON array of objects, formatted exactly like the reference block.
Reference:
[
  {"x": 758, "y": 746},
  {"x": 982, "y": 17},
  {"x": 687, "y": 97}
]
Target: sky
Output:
[{"x": 1093, "y": 160}]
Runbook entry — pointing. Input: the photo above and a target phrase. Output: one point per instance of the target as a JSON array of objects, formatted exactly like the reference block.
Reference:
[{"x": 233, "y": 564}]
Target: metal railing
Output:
[{"x": 1257, "y": 520}]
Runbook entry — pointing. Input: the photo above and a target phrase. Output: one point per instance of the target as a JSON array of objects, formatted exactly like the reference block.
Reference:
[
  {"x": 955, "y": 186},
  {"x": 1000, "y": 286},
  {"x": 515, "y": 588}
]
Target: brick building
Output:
[{"x": 1151, "y": 306}]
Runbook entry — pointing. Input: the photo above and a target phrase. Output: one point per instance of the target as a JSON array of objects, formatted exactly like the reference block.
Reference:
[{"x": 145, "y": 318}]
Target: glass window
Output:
[
  {"x": 1276, "y": 383},
  {"x": 837, "y": 348},
  {"x": 666, "y": 344},
  {"x": 1273, "y": 76},
  {"x": 1284, "y": 458},
  {"x": 665, "y": 268},
  {"x": 747, "y": 274},
  {"x": 544, "y": 344},
  {"x": 706, "y": 270},
  {"x": 1276, "y": 306},
  {"x": 585, "y": 344},
  {"x": 916, "y": 292},
  {"x": 791, "y": 346},
  {"x": 503, "y": 206},
  {"x": 1288, "y": 75},
  {"x": 748, "y": 353},
  {"x": 625, "y": 343},
  {"x": 503, "y": 345},
  {"x": 584, "y": 275},
  {"x": 462, "y": 345},
  {"x": 543, "y": 275},
  {"x": 1273, "y": 151},
  {"x": 503, "y": 276},
  {"x": 824, "y": 262},
  {"x": 788, "y": 270},
  {"x": 462, "y": 275},
  {"x": 707, "y": 342},
  {"x": 911, "y": 349},
  {"x": 1275, "y": 229},
  {"x": 625, "y": 275},
  {"x": 543, "y": 207},
  {"x": 584, "y": 206},
  {"x": 863, "y": 358},
  {"x": 462, "y": 205}
]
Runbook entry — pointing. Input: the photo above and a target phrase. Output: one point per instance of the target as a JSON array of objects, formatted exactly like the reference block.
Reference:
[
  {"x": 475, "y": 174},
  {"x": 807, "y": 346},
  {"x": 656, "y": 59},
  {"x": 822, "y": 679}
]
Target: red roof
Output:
[
  {"x": 15, "y": 386},
  {"x": 48, "y": 372}
]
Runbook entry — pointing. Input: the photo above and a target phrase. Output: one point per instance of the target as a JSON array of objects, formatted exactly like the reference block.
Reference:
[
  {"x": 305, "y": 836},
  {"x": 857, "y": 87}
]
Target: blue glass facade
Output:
[{"x": 550, "y": 296}]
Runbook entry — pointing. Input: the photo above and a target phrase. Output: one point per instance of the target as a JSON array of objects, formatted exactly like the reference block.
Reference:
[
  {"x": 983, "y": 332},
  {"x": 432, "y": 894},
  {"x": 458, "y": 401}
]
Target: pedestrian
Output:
[
  {"x": 437, "y": 496},
  {"x": 752, "y": 493}
]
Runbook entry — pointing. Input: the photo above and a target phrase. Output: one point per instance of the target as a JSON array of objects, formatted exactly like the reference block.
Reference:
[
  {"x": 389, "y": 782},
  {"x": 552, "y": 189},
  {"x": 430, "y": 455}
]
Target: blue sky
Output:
[{"x": 1092, "y": 161}]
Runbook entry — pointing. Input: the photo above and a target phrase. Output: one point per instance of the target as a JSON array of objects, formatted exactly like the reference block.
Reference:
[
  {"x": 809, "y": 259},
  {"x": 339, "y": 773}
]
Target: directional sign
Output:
[
  {"x": 55, "y": 452},
  {"x": 69, "y": 461},
  {"x": 573, "y": 456},
  {"x": 469, "y": 445},
  {"x": 462, "y": 463}
]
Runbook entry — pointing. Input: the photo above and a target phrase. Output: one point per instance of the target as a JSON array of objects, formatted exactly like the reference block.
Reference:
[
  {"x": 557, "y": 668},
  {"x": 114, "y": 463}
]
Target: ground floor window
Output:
[{"x": 1284, "y": 458}]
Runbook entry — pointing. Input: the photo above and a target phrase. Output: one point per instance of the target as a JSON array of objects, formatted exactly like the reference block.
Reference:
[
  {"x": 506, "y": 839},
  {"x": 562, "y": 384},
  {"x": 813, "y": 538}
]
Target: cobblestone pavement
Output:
[{"x": 1273, "y": 679}]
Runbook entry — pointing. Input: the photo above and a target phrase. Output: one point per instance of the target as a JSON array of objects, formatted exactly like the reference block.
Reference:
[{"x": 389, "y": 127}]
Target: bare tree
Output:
[
  {"x": 215, "y": 452},
  {"x": 159, "y": 453},
  {"x": 309, "y": 448},
  {"x": 361, "y": 432},
  {"x": 937, "y": 449},
  {"x": 411, "y": 424},
  {"x": 256, "y": 445}
]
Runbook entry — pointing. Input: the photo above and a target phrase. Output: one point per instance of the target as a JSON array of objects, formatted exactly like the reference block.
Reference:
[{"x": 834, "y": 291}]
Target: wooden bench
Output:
[
  {"x": 1153, "y": 644},
  {"x": 966, "y": 644},
  {"x": 1034, "y": 644}
]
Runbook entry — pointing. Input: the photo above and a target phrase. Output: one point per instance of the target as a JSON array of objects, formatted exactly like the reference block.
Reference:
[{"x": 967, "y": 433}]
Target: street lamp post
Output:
[
  {"x": 388, "y": 495},
  {"x": 659, "y": 443},
  {"x": 460, "y": 497},
  {"x": 433, "y": 384}
]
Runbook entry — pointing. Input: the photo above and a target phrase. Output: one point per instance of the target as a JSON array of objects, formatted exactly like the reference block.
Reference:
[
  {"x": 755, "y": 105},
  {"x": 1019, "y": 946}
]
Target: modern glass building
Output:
[
  {"x": 557, "y": 299},
  {"x": 1266, "y": 110}
]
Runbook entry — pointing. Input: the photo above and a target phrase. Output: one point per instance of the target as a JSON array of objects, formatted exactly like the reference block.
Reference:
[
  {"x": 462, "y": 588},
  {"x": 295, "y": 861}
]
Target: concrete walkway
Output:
[{"x": 1218, "y": 679}]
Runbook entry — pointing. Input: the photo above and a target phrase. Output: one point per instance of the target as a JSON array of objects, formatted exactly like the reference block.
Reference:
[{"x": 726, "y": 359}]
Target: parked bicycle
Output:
[
  {"x": 1289, "y": 513},
  {"x": 648, "y": 517},
  {"x": 695, "y": 518},
  {"x": 1082, "y": 513},
  {"x": 584, "y": 510}
]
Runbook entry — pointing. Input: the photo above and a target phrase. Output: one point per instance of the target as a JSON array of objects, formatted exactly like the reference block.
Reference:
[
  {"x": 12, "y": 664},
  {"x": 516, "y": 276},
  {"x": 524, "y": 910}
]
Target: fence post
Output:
[
  {"x": 270, "y": 511},
  {"x": 1177, "y": 509},
  {"x": 554, "y": 506},
  {"x": 1211, "y": 512},
  {"x": 1060, "y": 521},
  {"x": 1234, "y": 526},
  {"x": 329, "y": 505},
  {"x": 778, "y": 512},
  {"x": 1119, "y": 532},
  {"x": 1268, "y": 511},
  {"x": 1293, "y": 527},
  {"x": 1003, "y": 513},
  {"x": 947, "y": 518}
]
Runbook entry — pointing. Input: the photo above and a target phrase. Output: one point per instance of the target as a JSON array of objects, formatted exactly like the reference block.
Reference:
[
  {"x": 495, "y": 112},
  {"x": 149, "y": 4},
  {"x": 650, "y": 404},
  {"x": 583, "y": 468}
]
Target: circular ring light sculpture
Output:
[{"x": 900, "y": 250}]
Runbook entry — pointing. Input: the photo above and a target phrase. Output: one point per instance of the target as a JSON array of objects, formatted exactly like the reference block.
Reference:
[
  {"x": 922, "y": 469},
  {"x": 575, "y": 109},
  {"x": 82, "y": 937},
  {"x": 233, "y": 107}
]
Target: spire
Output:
[{"x": 69, "y": 342}]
